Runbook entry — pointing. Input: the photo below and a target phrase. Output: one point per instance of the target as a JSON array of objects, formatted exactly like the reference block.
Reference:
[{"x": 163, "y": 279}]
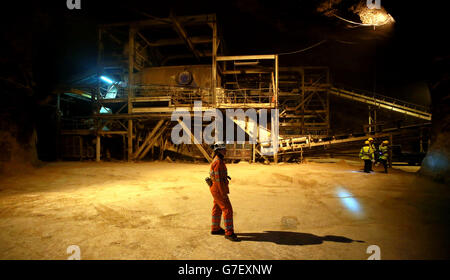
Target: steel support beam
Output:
[
  {"x": 214, "y": 64},
  {"x": 199, "y": 146},
  {"x": 183, "y": 34},
  {"x": 131, "y": 50},
  {"x": 130, "y": 139},
  {"x": 185, "y": 20},
  {"x": 178, "y": 41},
  {"x": 275, "y": 157},
  {"x": 97, "y": 148},
  {"x": 246, "y": 57},
  {"x": 149, "y": 137},
  {"x": 153, "y": 140}
]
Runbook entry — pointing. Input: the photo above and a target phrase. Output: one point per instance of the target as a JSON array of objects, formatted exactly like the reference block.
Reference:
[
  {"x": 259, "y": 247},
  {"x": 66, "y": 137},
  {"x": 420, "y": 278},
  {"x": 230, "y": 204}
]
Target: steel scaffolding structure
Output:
[{"x": 129, "y": 107}]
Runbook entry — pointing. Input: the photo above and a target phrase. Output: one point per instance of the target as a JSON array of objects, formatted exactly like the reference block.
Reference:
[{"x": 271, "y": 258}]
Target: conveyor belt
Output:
[{"x": 384, "y": 102}]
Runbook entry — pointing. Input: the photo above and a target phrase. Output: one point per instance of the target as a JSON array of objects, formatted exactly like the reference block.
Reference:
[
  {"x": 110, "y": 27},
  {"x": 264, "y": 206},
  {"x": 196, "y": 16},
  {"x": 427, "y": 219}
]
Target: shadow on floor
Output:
[{"x": 292, "y": 238}]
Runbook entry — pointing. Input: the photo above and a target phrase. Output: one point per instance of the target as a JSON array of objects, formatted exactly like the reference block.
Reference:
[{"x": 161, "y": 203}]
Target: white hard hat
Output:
[{"x": 219, "y": 146}]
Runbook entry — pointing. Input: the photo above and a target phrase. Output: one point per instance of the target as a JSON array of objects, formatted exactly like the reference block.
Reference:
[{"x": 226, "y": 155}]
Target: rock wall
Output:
[
  {"x": 27, "y": 74},
  {"x": 16, "y": 155},
  {"x": 437, "y": 162}
]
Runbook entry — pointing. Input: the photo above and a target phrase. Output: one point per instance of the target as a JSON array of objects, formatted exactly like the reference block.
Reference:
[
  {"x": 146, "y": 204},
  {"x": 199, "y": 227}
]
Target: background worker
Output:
[
  {"x": 367, "y": 155},
  {"x": 384, "y": 154},
  {"x": 374, "y": 150},
  {"x": 219, "y": 190}
]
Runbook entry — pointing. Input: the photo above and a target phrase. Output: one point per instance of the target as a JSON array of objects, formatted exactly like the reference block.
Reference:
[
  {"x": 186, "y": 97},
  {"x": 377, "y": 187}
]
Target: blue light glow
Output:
[
  {"x": 436, "y": 162},
  {"x": 105, "y": 110},
  {"x": 351, "y": 204},
  {"x": 112, "y": 93},
  {"x": 109, "y": 81},
  {"x": 348, "y": 200},
  {"x": 342, "y": 193}
]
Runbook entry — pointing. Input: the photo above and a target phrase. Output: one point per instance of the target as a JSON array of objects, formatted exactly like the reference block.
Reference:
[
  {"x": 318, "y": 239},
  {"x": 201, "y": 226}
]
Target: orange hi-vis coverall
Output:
[{"x": 219, "y": 190}]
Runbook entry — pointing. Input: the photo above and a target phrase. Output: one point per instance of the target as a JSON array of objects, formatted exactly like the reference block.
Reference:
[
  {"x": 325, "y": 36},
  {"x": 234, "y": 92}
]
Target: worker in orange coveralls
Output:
[{"x": 219, "y": 190}]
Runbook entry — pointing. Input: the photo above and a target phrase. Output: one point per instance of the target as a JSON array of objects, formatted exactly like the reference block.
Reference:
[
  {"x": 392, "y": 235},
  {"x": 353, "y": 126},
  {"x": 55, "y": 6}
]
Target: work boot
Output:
[
  {"x": 232, "y": 237},
  {"x": 220, "y": 231}
]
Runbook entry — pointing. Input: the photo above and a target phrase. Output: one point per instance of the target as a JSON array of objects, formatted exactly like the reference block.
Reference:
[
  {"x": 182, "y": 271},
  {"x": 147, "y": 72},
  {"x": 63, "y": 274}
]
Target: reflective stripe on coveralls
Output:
[{"x": 219, "y": 191}]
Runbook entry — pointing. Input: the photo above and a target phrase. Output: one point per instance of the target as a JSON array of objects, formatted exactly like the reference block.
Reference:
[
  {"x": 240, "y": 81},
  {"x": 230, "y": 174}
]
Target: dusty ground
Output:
[{"x": 162, "y": 211}]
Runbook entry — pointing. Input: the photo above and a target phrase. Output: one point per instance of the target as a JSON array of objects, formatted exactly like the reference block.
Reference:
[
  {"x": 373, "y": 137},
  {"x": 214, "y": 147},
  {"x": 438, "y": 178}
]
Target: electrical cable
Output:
[
  {"x": 353, "y": 22},
  {"x": 346, "y": 42},
  {"x": 305, "y": 49}
]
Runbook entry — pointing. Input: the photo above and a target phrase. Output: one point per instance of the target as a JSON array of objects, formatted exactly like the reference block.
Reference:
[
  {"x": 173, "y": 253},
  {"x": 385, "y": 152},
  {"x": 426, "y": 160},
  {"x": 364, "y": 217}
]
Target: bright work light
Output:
[{"x": 109, "y": 81}]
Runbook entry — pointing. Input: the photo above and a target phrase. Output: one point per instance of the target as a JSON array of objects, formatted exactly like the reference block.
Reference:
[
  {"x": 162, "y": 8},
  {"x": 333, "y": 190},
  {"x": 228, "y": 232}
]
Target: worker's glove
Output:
[{"x": 208, "y": 181}]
